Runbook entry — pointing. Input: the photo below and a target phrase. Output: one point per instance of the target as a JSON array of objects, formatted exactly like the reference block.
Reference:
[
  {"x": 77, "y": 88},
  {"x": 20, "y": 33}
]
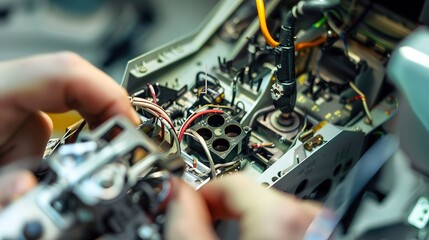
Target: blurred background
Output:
[{"x": 108, "y": 33}]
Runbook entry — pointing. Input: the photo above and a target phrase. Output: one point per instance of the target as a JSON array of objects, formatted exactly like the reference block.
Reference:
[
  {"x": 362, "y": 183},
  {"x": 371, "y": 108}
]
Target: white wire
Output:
[
  {"x": 365, "y": 105},
  {"x": 203, "y": 143},
  {"x": 147, "y": 104},
  {"x": 172, "y": 131}
]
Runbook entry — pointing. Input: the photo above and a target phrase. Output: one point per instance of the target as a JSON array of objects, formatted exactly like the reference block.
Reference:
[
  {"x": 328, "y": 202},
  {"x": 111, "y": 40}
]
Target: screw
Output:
[{"x": 142, "y": 69}]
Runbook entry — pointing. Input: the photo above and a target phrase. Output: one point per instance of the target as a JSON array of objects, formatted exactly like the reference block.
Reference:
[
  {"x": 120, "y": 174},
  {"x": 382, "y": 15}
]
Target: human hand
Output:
[
  {"x": 262, "y": 213},
  {"x": 48, "y": 83}
]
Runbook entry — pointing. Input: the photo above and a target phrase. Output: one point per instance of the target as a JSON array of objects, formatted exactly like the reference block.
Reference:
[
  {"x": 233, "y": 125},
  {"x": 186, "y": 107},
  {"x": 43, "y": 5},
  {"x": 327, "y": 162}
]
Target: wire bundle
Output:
[{"x": 158, "y": 113}]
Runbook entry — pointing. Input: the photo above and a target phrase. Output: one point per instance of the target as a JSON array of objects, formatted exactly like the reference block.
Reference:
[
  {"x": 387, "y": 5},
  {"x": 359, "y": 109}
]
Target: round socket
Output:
[
  {"x": 233, "y": 130},
  {"x": 216, "y": 120},
  {"x": 220, "y": 145},
  {"x": 205, "y": 133}
]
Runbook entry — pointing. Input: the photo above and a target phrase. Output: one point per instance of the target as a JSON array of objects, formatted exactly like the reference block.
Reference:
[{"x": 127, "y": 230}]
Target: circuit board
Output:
[{"x": 223, "y": 73}]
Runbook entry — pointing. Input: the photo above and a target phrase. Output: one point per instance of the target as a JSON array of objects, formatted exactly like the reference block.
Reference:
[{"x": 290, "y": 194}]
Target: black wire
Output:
[
  {"x": 198, "y": 78},
  {"x": 241, "y": 111},
  {"x": 350, "y": 28},
  {"x": 242, "y": 104},
  {"x": 239, "y": 75}
]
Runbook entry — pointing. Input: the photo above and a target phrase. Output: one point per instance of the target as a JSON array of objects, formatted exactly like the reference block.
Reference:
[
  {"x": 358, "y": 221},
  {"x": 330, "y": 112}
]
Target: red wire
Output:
[
  {"x": 354, "y": 98},
  {"x": 163, "y": 131},
  {"x": 197, "y": 115},
  {"x": 152, "y": 92}
]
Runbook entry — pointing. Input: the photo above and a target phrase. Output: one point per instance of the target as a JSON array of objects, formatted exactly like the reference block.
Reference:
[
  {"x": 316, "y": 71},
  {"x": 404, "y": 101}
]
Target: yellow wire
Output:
[
  {"x": 215, "y": 106},
  {"x": 260, "y": 6}
]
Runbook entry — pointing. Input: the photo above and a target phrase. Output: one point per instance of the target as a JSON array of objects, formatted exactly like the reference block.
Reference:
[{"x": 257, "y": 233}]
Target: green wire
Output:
[{"x": 319, "y": 23}]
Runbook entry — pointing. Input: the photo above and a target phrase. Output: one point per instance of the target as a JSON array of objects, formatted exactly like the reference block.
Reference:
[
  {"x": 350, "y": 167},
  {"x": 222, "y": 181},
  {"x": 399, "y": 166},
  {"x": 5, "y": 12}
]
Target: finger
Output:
[
  {"x": 14, "y": 184},
  {"x": 187, "y": 216},
  {"x": 312, "y": 208},
  {"x": 57, "y": 83},
  {"x": 223, "y": 199},
  {"x": 29, "y": 140},
  {"x": 263, "y": 213}
]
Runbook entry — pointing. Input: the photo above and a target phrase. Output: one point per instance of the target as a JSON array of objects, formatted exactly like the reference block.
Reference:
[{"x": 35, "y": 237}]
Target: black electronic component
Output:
[
  {"x": 225, "y": 137},
  {"x": 209, "y": 95},
  {"x": 335, "y": 68},
  {"x": 283, "y": 91}
]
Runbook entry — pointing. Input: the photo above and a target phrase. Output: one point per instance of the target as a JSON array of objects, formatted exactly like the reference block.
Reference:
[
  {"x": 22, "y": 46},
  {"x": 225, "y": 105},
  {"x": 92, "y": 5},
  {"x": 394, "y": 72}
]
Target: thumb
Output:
[{"x": 14, "y": 184}]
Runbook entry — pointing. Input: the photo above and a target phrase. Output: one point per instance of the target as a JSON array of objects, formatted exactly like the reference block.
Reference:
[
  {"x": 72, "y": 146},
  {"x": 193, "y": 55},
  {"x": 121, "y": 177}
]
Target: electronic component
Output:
[
  {"x": 225, "y": 137},
  {"x": 111, "y": 183},
  {"x": 295, "y": 114},
  {"x": 340, "y": 82}
]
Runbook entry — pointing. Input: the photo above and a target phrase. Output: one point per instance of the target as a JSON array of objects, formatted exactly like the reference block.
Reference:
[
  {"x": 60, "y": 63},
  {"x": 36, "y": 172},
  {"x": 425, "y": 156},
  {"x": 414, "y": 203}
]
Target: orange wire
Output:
[
  {"x": 260, "y": 6},
  {"x": 302, "y": 45}
]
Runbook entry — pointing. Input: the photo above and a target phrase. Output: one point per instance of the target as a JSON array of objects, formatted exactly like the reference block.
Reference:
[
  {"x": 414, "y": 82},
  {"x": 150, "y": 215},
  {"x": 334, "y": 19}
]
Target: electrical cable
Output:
[
  {"x": 319, "y": 23},
  {"x": 260, "y": 6},
  {"x": 242, "y": 104},
  {"x": 140, "y": 102},
  {"x": 152, "y": 92},
  {"x": 152, "y": 107},
  {"x": 192, "y": 118},
  {"x": 241, "y": 111},
  {"x": 363, "y": 98},
  {"x": 146, "y": 105},
  {"x": 303, "y": 45},
  {"x": 228, "y": 164},
  {"x": 339, "y": 31},
  {"x": 239, "y": 75},
  {"x": 171, "y": 128},
  {"x": 348, "y": 29},
  {"x": 203, "y": 143},
  {"x": 217, "y": 106},
  {"x": 197, "y": 78}
]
